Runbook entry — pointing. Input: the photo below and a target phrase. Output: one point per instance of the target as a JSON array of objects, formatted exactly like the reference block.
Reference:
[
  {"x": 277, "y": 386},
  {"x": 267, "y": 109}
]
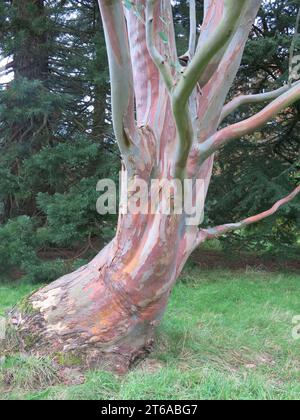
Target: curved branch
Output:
[
  {"x": 189, "y": 79},
  {"x": 141, "y": 59},
  {"x": 251, "y": 99},
  {"x": 193, "y": 29},
  {"x": 207, "y": 51},
  {"x": 157, "y": 58},
  {"x": 248, "y": 126},
  {"x": 120, "y": 68},
  {"x": 185, "y": 133},
  {"x": 182, "y": 117},
  {"x": 211, "y": 233}
]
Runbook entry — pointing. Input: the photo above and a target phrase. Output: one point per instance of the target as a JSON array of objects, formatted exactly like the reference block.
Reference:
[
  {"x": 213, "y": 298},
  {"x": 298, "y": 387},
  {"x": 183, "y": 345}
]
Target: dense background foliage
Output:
[
  {"x": 56, "y": 140},
  {"x": 260, "y": 169}
]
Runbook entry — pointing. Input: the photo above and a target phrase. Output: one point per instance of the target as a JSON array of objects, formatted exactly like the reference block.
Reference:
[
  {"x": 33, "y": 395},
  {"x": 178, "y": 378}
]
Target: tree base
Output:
[
  {"x": 105, "y": 313},
  {"x": 120, "y": 359},
  {"x": 79, "y": 317}
]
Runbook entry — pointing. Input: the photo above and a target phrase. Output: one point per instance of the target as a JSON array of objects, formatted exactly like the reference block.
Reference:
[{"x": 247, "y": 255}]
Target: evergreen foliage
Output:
[
  {"x": 54, "y": 134},
  {"x": 56, "y": 143},
  {"x": 253, "y": 173}
]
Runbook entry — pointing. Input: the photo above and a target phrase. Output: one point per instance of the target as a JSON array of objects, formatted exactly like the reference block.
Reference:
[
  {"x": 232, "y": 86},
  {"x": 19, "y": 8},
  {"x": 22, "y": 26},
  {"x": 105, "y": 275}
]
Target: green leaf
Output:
[{"x": 164, "y": 37}]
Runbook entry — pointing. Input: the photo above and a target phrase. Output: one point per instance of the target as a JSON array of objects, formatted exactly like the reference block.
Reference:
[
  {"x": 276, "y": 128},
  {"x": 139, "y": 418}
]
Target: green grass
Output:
[
  {"x": 11, "y": 294},
  {"x": 225, "y": 336}
]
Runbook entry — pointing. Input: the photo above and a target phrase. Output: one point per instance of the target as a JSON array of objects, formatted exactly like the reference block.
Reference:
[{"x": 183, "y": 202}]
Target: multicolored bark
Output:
[{"x": 166, "y": 121}]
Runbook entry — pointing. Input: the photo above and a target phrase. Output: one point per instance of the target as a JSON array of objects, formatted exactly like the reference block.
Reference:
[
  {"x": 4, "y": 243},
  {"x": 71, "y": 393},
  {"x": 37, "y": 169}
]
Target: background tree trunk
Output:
[
  {"x": 30, "y": 63},
  {"x": 30, "y": 60}
]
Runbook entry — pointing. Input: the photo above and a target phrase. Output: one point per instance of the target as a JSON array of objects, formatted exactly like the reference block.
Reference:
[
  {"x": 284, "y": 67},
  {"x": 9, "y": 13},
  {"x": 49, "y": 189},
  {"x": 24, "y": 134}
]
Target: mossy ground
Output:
[{"x": 225, "y": 336}]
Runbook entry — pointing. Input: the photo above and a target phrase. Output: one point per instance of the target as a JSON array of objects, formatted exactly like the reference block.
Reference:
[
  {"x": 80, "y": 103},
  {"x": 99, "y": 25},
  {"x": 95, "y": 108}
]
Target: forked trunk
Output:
[
  {"x": 165, "y": 120},
  {"x": 107, "y": 311}
]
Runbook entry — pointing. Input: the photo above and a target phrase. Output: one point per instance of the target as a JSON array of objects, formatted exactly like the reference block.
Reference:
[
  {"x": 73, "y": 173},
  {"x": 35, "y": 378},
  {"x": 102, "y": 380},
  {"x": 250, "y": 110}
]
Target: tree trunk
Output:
[
  {"x": 166, "y": 125},
  {"x": 30, "y": 62},
  {"x": 100, "y": 87},
  {"x": 31, "y": 56},
  {"x": 107, "y": 311}
]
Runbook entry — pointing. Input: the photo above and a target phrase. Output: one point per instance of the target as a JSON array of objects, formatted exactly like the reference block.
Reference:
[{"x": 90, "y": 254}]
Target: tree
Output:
[
  {"x": 51, "y": 135},
  {"x": 26, "y": 21},
  {"x": 166, "y": 120}
]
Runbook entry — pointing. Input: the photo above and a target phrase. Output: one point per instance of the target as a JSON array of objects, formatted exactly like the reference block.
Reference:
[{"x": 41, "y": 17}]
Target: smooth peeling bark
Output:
[
  {"x": 242, "y": 100},
  {"x": 108, "y": 310},
  {"x": 217, "y": 231},
  {"x": 252, "y": 124}
]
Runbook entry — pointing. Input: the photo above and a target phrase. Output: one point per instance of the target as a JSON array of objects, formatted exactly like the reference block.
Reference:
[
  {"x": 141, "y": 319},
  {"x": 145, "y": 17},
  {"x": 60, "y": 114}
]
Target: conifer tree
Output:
[{"x": 53, "y": 114}]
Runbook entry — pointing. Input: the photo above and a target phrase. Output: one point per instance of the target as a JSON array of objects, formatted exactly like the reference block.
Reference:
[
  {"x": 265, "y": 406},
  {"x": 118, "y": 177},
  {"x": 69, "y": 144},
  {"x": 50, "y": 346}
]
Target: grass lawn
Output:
[{"x": 225, "y": 336}]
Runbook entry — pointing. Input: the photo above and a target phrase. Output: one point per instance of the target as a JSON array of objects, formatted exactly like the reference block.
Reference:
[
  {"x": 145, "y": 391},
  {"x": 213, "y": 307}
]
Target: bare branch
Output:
[
  {"x": 157, "y": 58},
  {"x": 211, "y": 233},
  {"x": 251, "y": 99},
  {"x": 141, "y": 59},
  {"x": 185, "y": 132},
  {"x": 248, "y": 126},
  {"x": 183, "y": 121},
  {"x": 207, "y": 51},
  {"x": 120, "y": 72},
  {"x": 193, "y": 29}
]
